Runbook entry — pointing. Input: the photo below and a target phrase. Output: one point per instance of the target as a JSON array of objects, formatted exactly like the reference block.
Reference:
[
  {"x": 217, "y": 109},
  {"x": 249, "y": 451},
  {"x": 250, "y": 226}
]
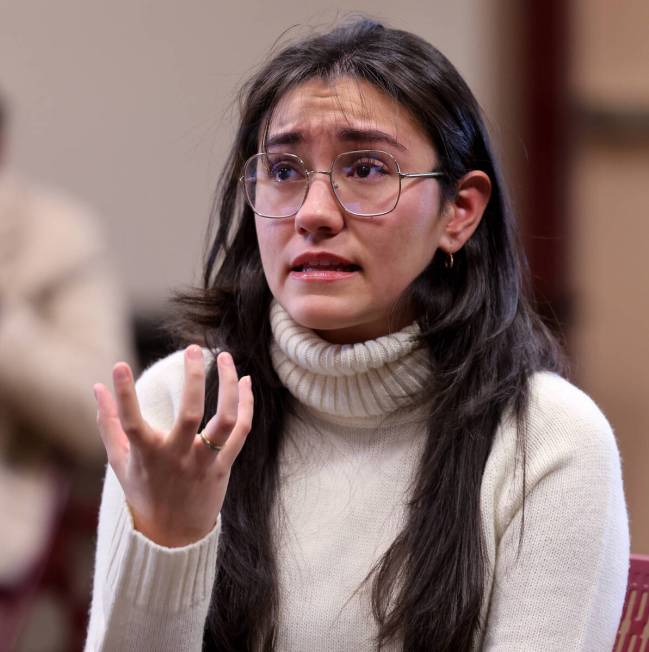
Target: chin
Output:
[
  {"x": 321, "y": 313},
  {"x": 337, "y": 320}
]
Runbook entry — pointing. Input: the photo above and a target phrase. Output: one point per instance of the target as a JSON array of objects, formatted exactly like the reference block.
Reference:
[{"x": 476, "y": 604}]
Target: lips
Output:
[{"x": 322, "y": 262}]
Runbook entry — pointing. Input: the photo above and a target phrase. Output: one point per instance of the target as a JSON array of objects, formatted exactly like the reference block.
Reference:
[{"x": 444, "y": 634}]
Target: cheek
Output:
[
  {"x": 410, "y": 244},
  {"x": 267, "y": 243},
  {"x": 272, "y": 237},
  {"x": 397, "y": 260}
]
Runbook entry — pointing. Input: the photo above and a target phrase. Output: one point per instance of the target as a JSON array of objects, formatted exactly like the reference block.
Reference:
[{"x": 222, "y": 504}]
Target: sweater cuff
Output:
[{"x": 160, "y": 579}]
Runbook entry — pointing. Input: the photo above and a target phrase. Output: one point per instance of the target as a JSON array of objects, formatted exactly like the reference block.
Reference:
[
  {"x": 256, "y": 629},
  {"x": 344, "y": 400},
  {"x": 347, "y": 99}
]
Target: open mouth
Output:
[{"x": 325, "y": 267}]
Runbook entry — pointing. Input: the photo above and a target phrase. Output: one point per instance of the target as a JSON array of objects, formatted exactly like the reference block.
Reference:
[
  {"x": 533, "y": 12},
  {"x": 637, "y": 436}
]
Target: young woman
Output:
[{"x": 413, "y": 473}]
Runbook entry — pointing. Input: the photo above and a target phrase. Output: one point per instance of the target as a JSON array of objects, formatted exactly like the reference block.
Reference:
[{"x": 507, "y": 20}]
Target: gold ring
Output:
[{"x": 211, "y": 445}]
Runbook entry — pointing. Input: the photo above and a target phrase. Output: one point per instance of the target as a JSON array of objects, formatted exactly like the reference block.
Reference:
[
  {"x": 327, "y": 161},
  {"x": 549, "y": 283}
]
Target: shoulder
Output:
[
  {"x": 159, "y": 388},
  {"x": 563, "y": 423},
  {"x": 553, "y": 398},
  {"x": 556, "y": 533},
  {"x": 565, "y": 438},
  {"x": 571, "y": 462}
]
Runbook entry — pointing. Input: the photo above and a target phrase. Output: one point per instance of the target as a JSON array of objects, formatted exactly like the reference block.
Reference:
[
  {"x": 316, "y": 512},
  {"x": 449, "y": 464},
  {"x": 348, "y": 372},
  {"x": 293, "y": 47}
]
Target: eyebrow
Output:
[{"x": 346, "y": 135}]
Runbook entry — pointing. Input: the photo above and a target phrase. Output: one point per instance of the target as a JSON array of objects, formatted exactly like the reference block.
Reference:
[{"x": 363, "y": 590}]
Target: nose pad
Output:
[{"x": 320, "y": 211}]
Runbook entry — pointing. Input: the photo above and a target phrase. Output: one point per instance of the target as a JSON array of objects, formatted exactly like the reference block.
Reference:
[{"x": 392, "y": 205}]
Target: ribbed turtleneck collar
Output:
[{"x": 368, "y": 379}]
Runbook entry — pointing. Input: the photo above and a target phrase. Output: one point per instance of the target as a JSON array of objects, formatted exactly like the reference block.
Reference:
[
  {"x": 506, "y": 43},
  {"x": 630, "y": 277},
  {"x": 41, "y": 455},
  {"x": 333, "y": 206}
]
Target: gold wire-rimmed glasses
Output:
[{"x": 365, "y": 182}]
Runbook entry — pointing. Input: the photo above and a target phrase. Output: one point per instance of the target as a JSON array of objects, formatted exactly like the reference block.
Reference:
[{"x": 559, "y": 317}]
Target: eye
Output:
[
  {"x": 366, "y": 169},
  {"x": 285, "y": 170}
]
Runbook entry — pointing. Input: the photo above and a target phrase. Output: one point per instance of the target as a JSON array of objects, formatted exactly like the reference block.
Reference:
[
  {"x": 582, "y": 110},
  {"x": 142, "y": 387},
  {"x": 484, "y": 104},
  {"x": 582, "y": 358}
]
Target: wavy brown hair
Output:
[{"x": 483, "y": 338}]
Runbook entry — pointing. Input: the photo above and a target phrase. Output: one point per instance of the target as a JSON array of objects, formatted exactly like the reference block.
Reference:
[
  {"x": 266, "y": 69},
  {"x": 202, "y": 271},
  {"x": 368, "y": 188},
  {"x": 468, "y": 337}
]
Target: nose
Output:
[{"x": 321, "y": 214}]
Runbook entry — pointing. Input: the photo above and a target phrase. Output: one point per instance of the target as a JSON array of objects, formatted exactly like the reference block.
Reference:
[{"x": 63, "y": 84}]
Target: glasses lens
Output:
[
  {"x": 275, "y": 184},
  {"x": 366, "y": 182}
]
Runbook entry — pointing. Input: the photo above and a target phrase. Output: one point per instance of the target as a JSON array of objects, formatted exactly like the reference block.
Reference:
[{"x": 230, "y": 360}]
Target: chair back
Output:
[{"x": 633, "y": 633}]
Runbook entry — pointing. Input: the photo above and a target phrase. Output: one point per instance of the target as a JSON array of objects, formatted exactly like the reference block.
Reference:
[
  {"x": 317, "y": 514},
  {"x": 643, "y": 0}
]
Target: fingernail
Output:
[
  {"x": 226, "y": 358},
  {"x": 194, "y": 352}
]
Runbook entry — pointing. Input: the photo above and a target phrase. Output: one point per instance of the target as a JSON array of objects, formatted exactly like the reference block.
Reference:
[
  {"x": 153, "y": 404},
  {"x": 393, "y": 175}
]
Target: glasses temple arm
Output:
[{"x": 411, "y": 175}]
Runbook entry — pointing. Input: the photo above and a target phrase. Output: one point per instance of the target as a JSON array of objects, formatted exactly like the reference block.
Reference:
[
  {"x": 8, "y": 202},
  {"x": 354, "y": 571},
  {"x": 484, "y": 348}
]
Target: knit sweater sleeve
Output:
[
  {"x": 561, "y": 586},
  {"x": 145, "y": 596}
]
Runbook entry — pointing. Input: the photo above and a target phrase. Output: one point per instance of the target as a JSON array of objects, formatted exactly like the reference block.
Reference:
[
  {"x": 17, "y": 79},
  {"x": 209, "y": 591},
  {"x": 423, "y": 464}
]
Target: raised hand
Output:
[{"x": 173, "y": 481}]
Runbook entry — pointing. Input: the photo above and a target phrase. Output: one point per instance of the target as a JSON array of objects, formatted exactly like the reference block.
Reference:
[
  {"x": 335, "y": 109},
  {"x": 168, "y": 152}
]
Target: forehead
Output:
[{"x": 340, "y": 108}]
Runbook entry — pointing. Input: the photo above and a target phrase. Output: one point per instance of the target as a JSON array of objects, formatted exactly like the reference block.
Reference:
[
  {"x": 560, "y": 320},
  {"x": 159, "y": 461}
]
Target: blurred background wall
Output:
[
  {"x": 609, "y": 215},
  {"x": 129, "y": 105}
]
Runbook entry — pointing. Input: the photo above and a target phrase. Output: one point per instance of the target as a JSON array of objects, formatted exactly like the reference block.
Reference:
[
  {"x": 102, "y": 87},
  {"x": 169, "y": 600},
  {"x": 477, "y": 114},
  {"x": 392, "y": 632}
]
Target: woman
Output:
[{"x": 416, "y": 475}]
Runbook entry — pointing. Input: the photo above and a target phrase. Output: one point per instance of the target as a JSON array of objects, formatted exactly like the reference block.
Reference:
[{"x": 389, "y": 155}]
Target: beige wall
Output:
[
  {"x": 127, "y": 104},
  {"x": 610, "y": 208}
]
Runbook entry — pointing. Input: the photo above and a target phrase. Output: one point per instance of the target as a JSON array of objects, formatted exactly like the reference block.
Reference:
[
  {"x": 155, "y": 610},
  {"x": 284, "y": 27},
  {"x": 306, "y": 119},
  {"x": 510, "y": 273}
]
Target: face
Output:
[{"x": 339, "y": 274}]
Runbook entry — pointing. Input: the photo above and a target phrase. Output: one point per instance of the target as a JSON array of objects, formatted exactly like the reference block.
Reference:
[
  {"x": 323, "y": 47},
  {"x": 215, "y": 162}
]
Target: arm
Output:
[
  {"x": 165, "y": 482},
  {"x": 564, "y": 589},
  {"x": 146, "y": 596},
  {"x": 49, "y": 361}
]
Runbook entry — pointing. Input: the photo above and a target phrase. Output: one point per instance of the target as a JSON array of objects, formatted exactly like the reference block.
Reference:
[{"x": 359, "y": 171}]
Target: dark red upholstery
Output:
[{"x": 633, "y": 633}]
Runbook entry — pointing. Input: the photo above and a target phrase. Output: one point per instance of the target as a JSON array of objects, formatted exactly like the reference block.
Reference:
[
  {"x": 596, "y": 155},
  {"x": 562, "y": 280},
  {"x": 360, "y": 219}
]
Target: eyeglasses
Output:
[{"x": 365, "y": 182}]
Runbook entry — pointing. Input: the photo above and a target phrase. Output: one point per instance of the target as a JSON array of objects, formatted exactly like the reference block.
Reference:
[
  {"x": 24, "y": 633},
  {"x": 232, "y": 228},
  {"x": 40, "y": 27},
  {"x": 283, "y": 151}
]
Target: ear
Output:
[{"x": 465, "y": 210}]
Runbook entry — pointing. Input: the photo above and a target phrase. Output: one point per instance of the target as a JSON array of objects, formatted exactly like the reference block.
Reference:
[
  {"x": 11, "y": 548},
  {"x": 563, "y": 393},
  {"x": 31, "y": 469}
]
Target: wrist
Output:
[{"x": 169, "y": 537}]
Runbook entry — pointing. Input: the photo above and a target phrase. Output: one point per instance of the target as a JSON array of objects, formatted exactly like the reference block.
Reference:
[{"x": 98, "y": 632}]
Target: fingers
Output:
[
  {"x": 110, "y": 429},
  {"x": 128, "y": 408},
  {"x": 233, "y": 419},
  {"x": 237, "y": 438},
  {"x": 192, "y": 400},
  {"x": 122, "y": 426},
  {"x": 228, "y": 400}
]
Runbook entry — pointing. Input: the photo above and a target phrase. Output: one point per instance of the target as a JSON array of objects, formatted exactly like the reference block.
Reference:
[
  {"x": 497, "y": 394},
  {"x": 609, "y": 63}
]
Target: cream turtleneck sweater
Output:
[
  {"x": 354, "y": 382},
  {"x": 350, "y": 452}
]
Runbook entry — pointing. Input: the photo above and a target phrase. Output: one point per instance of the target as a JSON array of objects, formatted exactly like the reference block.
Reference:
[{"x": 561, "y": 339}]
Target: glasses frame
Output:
[{"x": 401, "y": 175}]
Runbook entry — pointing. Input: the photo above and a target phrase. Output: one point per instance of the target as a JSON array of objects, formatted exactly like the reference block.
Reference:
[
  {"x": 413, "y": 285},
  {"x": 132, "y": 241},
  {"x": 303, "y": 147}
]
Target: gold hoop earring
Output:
[{"x": 448, "y": 263}]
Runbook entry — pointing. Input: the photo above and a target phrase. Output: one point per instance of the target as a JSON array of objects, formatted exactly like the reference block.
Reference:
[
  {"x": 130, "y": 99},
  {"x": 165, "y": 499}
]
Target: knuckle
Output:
[
  {"x": 226, "y": 422},
  {"x": 186, "y": 468},
  {"x": 123, "y": 389},
  {"x": 131, "y": 427},
  {"x": 221, "y": 472},
  {"x": 195, "y": 372},
  {"x": 191, "y": 419}
]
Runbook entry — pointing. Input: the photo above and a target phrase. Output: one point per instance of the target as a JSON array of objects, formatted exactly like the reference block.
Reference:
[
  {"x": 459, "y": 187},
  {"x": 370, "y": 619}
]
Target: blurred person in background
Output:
[{"x": 62, "y": 324}]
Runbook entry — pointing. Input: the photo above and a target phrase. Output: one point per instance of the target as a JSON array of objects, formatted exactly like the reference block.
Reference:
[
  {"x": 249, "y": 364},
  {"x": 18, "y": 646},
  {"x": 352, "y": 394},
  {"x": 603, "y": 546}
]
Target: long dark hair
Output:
[{"x": 483, "y": 338}]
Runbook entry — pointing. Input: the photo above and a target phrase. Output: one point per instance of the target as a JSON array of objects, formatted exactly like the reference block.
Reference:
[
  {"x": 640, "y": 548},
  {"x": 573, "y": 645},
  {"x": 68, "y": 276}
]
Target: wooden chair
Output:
[{"x": 633, "y": 633}]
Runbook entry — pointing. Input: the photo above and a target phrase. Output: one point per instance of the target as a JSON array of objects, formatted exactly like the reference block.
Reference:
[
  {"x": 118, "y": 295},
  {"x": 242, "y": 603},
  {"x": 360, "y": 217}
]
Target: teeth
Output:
[
  {"x": 324, "y": 263},
  {"x": 345, "y": 268},
  {"x": 308, "y": 268}
]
